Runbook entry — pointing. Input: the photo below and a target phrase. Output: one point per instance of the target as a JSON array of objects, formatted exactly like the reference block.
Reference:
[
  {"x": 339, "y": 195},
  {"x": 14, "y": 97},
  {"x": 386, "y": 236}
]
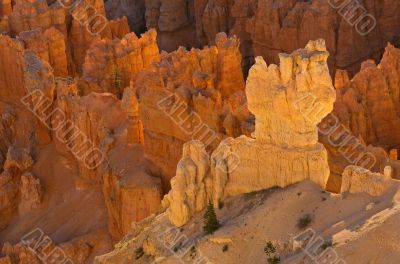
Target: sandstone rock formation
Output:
[
  {"x": 110, "y": 64},
  {"x": 133, "y": 10},
  {"x": 28, "y": 15},
  {"x": 191, "y": 187},
  {"x": 267, "y": 28},
  {"x": 285, "y": 149},
  {"x": 22, "y": 72},
  {"x": 22, "y": 134},
  {"x": 174, "y": 21},
  {"x": 50, "y": 46},
  {"x": 358, "y": 221},
  {"x": 131, "y": 184},
  {"x": 130, "y": 104},
  {"x": 87, "y": 134},
  {"x": 359, "y": 180},
  {"x": 95, "y": 122},
  {"x": 372, "y": 93},
  {"x": 36, "y": 247},
  {"x": 31, "y": 193},
  {"x": 6, "y": 8},
  {"x": 132, "y": 189},
  {"x": 14, "y": 188},
  {"x": 52, "y": 113},
  {"x": 355, "y": 132},
  {"x": 79, "y": 23},
  {"x": 190, "y": 95},
  {"x": 66, "y": 86}
]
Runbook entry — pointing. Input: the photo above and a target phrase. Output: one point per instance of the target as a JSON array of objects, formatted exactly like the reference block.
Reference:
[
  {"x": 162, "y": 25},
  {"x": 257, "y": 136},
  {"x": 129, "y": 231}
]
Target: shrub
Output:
[
  {"x": 139, "y": 253},
  {"x": 225, "y": 248},
  {"x": 193, "y": 252},
  {"x": 304, "y": 222},
  {"x": 270, "y": 249},
  {"x": 326, "y": 245},
  {"x": 211, "y": 223},
  {"x": 274, "y": 260}
]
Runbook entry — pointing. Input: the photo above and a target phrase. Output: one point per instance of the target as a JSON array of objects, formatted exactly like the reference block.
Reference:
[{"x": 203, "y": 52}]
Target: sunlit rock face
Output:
[
  {"x": 288, "y": 102},
  {"x": 285, "y": 149},
  {"x": 372, "y": 94},
  {"x": 80, "y": 23},
  {"x": 50, "y": 46},
  {"x": 191, "y": 188},
  {"x": 184, "y": 121},
  {"x": 22, "y": 72},
  {"x": 197, "y": 94},
  {"x": 28, "y": 15},
  {"x": 360, "y": 180},
  {"x": 365, "y": 123},
  {"x": 110, "y": 64}
]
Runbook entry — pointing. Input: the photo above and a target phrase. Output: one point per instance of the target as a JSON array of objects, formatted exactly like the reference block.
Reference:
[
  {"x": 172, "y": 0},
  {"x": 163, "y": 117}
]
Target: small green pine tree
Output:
[
  {"x": 117, "y": 81},
  {"x": 211, "y": 223},
  {"x": 269, "y": 248}
]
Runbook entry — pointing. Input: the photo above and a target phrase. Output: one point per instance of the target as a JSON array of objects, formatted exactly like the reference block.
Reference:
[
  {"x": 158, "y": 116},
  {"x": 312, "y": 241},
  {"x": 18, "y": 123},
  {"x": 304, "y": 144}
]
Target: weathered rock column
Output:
[
  {"x": 135, "y": 127},
  {"x": 6, "y": 7},
  {"x": 288, "y": 102}
]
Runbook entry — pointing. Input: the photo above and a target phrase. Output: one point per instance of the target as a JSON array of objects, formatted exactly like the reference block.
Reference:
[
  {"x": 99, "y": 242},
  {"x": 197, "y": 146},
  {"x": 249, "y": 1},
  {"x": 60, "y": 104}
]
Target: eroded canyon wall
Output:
[
  {"x": 197, "y": 94},
  {"x": 353, "y": 31}
]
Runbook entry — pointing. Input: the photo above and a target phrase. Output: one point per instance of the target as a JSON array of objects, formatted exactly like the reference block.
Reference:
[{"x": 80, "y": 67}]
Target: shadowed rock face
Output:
[
  {"x": 133, "y": 10},
  {"x": 267, "y": 28}
]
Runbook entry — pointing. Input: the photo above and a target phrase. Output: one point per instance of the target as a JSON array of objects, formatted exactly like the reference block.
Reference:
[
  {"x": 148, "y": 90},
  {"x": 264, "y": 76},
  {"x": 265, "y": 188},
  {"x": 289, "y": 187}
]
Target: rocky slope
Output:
[{"x": 346, "y": 222}]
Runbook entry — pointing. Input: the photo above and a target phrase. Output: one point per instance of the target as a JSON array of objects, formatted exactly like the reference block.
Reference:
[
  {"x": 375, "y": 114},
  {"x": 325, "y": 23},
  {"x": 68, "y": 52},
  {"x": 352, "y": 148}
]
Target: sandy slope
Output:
[
  {"x": 362, "y": 229},
  {"x": 66, "y": 213}
]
